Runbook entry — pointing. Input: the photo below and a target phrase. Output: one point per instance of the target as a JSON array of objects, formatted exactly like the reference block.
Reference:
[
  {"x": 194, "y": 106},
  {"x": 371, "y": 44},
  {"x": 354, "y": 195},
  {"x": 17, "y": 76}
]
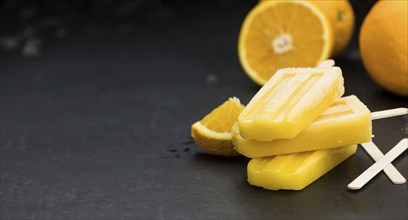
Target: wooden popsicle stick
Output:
[
  {"x": 389, "y": 170},
  {"x": 326, "y": 64},
  {"x": 389, "y": 113},
  {"x": 367, "y": 175},
  {"x": 376, "y": 153}
]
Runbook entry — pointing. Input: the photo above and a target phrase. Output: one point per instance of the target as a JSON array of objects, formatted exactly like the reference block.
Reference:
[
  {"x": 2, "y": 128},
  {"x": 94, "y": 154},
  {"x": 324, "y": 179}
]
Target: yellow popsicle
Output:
[
  {"x": 295, "y": 171},
  {"x": 291, "y": 100},
  {"x": 346, "y": 122}
]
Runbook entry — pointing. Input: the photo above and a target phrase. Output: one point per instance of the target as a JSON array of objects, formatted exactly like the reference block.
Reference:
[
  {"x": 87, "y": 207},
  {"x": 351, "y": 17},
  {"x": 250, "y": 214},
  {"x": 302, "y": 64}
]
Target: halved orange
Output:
[
  {"x": 213, "y": 132},
  {"x": 280, "y": 34}
]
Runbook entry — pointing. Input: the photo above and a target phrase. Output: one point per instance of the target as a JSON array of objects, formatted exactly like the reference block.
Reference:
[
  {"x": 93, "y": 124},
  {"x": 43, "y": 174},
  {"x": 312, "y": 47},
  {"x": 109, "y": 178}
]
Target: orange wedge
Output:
[
  {"x": 213, "y": 132},
  {"x": 280, "y": 34}
]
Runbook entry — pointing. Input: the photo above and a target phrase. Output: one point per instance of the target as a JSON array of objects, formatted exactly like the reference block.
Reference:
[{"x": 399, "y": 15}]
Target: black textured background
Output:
[{"x": 97, "y": 99}]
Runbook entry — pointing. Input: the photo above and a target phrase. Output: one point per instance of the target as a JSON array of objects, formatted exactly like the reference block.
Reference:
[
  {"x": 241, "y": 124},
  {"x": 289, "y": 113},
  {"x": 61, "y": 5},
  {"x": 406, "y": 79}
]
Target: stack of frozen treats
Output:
[{"x": 298, "y": 127}]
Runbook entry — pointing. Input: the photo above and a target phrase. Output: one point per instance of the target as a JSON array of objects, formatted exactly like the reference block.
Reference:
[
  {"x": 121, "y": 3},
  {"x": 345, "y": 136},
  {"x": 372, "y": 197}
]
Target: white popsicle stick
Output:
[
  {"x": 367, "y": 175},
  {"x": 326, "y": 64},
  {"x": 376, "y": 153},
  {"x": 389, "y": 170},
  {"x": 389, "y": 113}
]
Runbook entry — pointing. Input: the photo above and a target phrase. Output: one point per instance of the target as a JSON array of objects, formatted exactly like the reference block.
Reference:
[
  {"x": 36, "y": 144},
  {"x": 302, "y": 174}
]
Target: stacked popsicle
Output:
[{"x": 297, "y": 128}]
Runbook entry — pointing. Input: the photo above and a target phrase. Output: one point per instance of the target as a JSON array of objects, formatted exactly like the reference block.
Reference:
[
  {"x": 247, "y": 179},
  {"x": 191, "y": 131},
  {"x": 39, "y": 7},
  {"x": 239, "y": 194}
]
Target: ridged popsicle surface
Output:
[
  {"x": 346, "y": 122},
  {"x": 289, "y": 102}
]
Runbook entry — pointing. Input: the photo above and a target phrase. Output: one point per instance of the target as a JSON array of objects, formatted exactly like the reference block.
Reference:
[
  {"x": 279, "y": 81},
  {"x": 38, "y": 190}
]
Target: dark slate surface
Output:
[{"x": 97, "y": 99}]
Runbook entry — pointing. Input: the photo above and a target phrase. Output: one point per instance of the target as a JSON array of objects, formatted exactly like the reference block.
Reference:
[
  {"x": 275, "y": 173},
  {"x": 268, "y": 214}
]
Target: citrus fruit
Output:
[
  {"x": 279, "y": 34},
  {"x": 384, "y": 45},
  {"x": 342, "y": 20},
  {"x": 341, "y": 16},
  {"x": 213, "y": 132}
]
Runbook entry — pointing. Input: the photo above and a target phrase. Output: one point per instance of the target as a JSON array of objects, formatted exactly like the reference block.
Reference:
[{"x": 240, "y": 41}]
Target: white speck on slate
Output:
[
  {"x": 9, "y": 43},
  {"x": 212, "y": 78},
  {"x": 31, "y": 47}
]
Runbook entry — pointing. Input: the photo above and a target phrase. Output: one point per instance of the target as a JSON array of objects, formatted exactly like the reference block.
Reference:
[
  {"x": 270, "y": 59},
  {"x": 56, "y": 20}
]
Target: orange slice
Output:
[
  {"x": 213, "y": 132},
  {"x": 280, "y": 34}
]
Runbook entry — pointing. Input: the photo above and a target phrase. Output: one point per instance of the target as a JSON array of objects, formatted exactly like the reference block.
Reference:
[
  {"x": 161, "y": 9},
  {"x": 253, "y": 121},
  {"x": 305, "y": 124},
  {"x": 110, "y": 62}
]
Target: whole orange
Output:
[{"x": 383, "y": 43}]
